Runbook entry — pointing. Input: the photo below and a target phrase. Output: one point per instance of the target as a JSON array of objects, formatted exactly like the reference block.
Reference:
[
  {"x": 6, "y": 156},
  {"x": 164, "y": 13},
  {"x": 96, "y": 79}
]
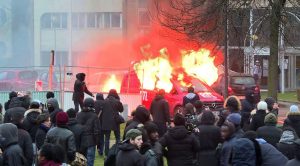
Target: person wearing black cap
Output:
[
  {"x": 159, "y": 110},
  {"x": 77, "y": 129},
  {"x": 24, "y": 138},
  {"x": 272, "y": 105},
  {"x": 296, "y": 160},
  {"x": 12, "y": 94},
  {"x": 79, "y": 90},
  {"x": 62, "y": 136},
  {"x": 128, "y": 154},
  {"x": 110, "y": 120},
  {"x": 181, "y": 144},
  {"x": 88, "y": 118}
]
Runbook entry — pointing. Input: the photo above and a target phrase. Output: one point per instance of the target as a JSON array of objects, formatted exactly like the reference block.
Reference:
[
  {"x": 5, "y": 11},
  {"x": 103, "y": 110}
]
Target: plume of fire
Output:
[
  {"x": 155, "y": 73},
  {"x": 200, "y": 64},
  {"x": 112, "y": 83}
]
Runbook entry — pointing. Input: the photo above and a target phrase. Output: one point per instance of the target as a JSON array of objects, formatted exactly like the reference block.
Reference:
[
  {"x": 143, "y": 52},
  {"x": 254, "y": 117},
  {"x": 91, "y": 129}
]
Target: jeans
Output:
[
  {"x": 77, "y": 104},
  {"x": 90, "y": 155},
  {"x": 117, "y": 134},
  {"x": 104, "y": 141}
]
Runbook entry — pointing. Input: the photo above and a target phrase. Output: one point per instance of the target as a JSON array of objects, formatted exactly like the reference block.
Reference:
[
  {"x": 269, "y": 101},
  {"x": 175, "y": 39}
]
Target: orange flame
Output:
[
  {"x": 155, "y": 73},
  {"x": 200, "y": 64},
  {"x": 112, "y": 83}
]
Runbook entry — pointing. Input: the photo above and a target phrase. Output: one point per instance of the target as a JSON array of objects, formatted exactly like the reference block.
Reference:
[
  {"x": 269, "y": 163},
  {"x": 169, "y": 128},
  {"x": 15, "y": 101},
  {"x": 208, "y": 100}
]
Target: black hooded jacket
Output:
[
  {"x": 53, "y": 108},
  {"x": 111, "y": 108},
  {"x": 258, "y": 120},
  {"x": 182, "y": 146},
  {"x": 8, "y": 114},
  {"x": 12, "y": 152},
  {"x": 159, "y": 110},
  {"x": 141, "y": 116},
  {"x": 80, "y": 88},
  {"x": 129, "y": 156},
  {"x": 293, "y": 121},
  {"x": 78, "y": 131},
  {"x": 30, "y": 122},
  {"x": 25, "y": 143}
]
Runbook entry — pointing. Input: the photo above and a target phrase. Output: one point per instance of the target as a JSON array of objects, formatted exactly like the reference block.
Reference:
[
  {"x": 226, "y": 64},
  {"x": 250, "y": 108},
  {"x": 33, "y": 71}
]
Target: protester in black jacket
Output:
[
  {"x": 159, "y": 110},
  {"x": 12, "y": 152},
  {"x": 286, "y": 143},
  {"x": 88, "y": 118},
  {"x": 108, "y": 120},
  {"x": 235, "y": 118},
  {"x": 62, "y": 136},
  {"x": 181, "y": 144},
  {"x": 270, "y": 132},
  {"x": 24, "y": 138},
  {"x": 53, "y": 109},
  {"x": 128, "y": 154},
  {"x": 247, "y": 106},
  {"x": 293, "y": 119},
  {"x": 79, "y": 90},
  {"x": 99, "y": 104},
  {"x": 77, "y": 129},
  {"x": 209, "y": 137},
  {"x": 44, "y": 122},
  {"x": 191, "y": 97},
  {"x": 12, "y": 94},
  {"x": 141, "y": 116},
  {"x": 272, "y": 105},
  {"x": 30, "y": 121},
  {"x": 259, "y": 117}
]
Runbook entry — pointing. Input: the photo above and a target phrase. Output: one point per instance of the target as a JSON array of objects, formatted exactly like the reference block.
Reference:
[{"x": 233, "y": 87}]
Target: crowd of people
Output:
[{"x": 242, "y": 133}]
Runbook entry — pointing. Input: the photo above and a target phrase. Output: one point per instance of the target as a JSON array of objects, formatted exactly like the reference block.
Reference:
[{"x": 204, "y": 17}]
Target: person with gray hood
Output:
[
  {"x": 12, "y": 152},
  {"x": 53, "y": 109},
  {"x": 191, "y": 97},
  {"x": 79, "y": 90},
  {"x": 286, "y": 143},
  {"x": 296, "y": 160}
]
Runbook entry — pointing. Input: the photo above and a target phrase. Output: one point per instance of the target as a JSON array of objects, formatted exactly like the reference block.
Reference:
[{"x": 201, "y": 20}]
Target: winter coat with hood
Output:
[
  {"x": 129, "y": 156},
  {"x": 270, "y": 155},
  {"x": 53, "y": 108},
  {"x": 25, "y": 142},
  {"x": 270, "y": 133},
  {"x": 190, "y": 98},
  {"x": 293, "y": 120},
  {"x": 90, "y": 122},
  {"x": 78, "y": 131},
  {"x": 65, "y": 138},
  {"x": 30, "y": 122},
  {"x": 99, "y": 103},
  {"x": 182, "y": 146},
  {"x": 41, "y": 135},
  {"x": 159, "y": 110},
  {"x": 8, "y": 114},
  {"x": 247, "y": 106},
  {"x": 226, "y": 150},
  {"x": 80, "y": 88},
  {"x": 112, "y": 107},
  {"x": 209, "y": 136},
  {"x": 22, "y": 101},
  {"x": 12, "y": 152},
  {"x": 257, "y": 120},
  {"x": 286, "y": 143}
]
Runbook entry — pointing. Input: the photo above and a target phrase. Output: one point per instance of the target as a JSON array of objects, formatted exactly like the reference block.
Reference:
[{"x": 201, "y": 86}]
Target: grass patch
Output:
[{"x": 287, "y": 96}]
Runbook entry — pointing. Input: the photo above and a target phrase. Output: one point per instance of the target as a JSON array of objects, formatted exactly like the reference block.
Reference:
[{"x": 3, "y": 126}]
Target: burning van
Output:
[{"x": 179, "y": 85}]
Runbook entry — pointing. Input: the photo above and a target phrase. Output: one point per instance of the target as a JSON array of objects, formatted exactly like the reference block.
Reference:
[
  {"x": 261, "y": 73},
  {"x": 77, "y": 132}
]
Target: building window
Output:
[
  {"x": 54, "y": 20},
  {"x": 91, "y": 20},
  {"x": 144, "y": 19},
  {"x": 143, "y": 3},
  {"x": 100, "y": 20},
  {"x": 115, "y": 20}
]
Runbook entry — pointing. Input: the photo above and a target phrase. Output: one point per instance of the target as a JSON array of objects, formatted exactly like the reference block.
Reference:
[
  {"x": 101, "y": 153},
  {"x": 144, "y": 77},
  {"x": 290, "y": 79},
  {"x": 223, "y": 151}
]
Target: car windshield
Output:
[
  {"x": 243, "y": 80},
  {"x": 7, "y": 75},
  {"x": 197, "y": 84}
]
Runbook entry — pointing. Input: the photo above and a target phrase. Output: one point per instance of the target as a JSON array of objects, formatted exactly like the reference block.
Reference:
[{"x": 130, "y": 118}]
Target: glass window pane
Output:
[
  {"x": 100, "y": 20},
  {"x": 55, "y": 20},
  {"x": 75, "y": 20},
  {"x": 81, "y": 22},
  {"x": 107, "y": 20},
  {"x": 46, "y": 21},
  {"x": 64, "y": 20},
  {"x": 115, "y": 20}
]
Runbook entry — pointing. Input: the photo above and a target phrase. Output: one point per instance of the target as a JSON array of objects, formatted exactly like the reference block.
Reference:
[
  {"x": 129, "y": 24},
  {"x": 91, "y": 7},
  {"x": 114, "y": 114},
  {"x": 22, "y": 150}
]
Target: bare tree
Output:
[{"x": 204, "y": 21}]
